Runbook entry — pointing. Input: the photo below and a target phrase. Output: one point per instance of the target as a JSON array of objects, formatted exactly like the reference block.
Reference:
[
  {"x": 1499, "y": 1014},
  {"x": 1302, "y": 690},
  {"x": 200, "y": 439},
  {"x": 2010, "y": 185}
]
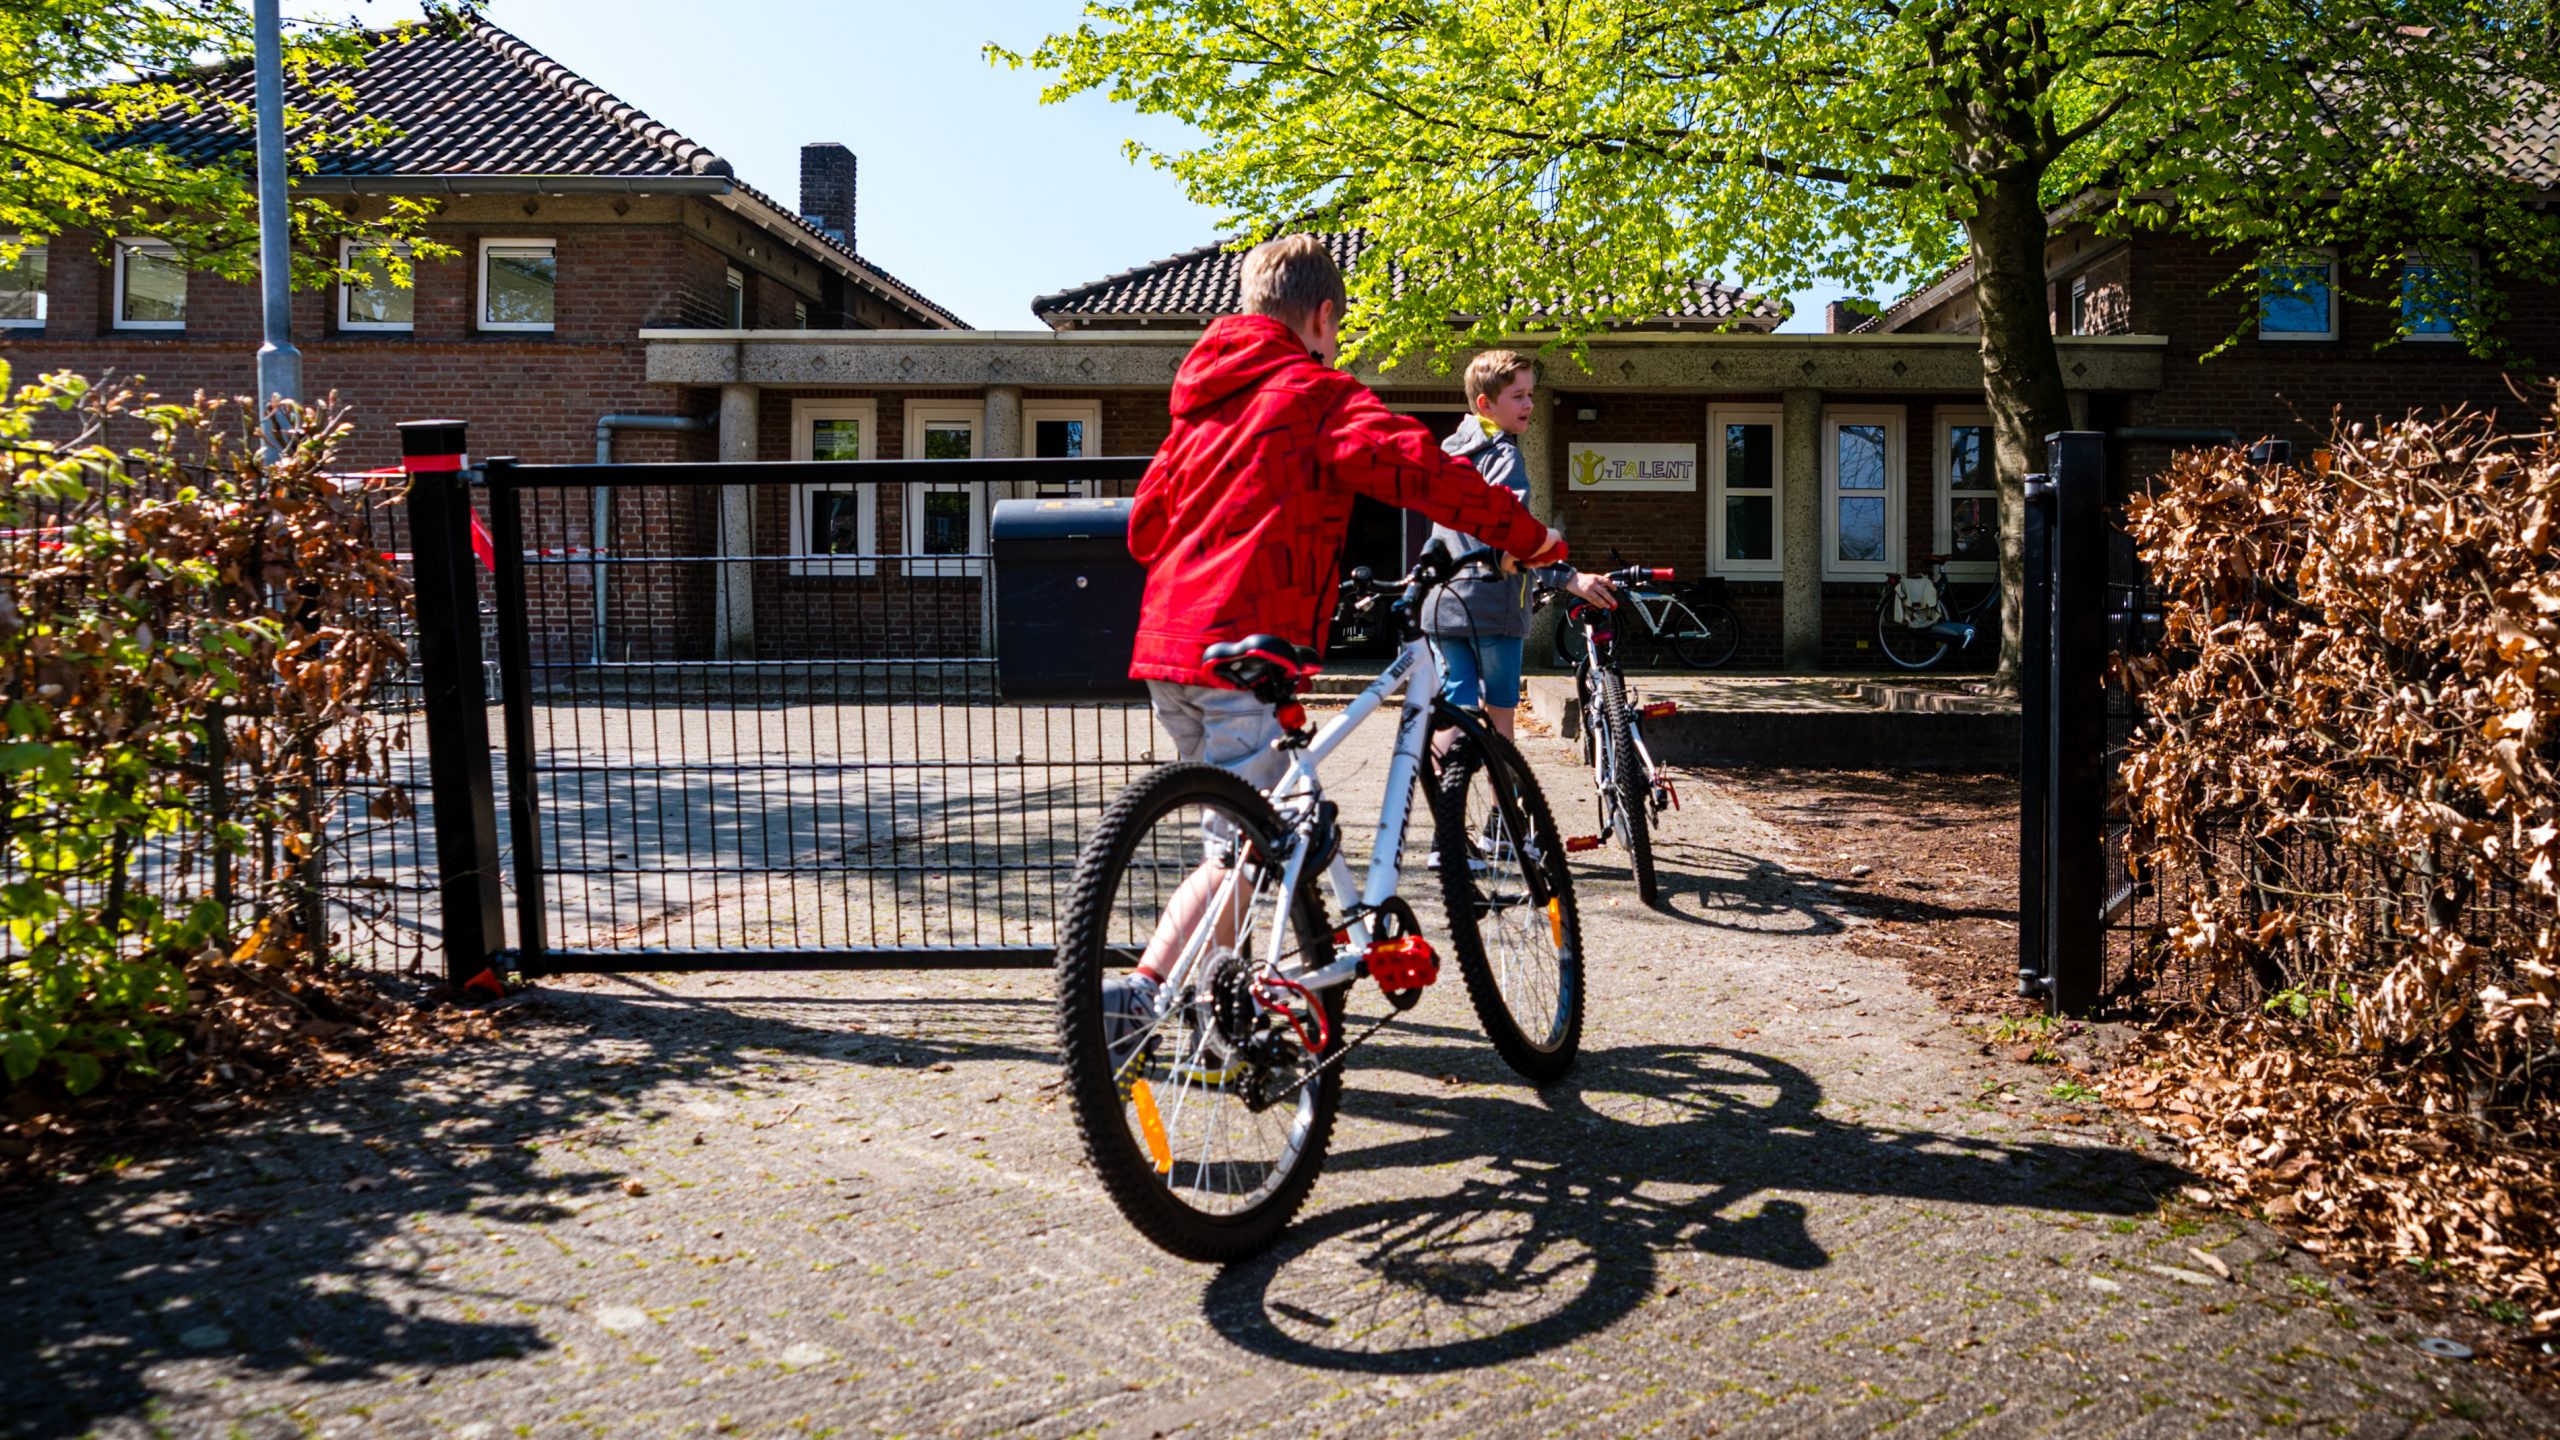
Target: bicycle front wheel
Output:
[
  {"x": 1703, "y": 635},
  {"x": 1205, "y": 1114},
  {"x": 1626, "y": 791},
  {"x": 1510, "y": 902}
]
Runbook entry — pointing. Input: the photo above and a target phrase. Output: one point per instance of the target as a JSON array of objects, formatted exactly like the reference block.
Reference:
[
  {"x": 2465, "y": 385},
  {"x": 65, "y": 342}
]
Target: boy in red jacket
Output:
[{"x": 1241, "y": 518}]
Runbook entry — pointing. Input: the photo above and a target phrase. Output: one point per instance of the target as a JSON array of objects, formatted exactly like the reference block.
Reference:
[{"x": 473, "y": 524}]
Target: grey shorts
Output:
[{"x": 1226, "y": 728}]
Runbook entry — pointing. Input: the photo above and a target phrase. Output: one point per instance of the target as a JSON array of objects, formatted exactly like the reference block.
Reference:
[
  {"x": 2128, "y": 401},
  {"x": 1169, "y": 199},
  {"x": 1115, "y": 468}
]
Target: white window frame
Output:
[
  {"x": 734, "y": 298},
  {"x": 866, "y": 497},
  {"x": 346, "y": 252},
  {"x": 1895, "y": 483},
  {"x": 1035, "y": 411},
  {"x": 521, "y": 327},
  {"x": 799, "y": 314},
  {"x": 2324, "y": 255},
  {"x": 2470, "y": 261},
  {"x": 44, "y": 294},
  {"x": 920, "y": 414},
  {"x": 2080, "y": 304},
  {"x": 116, "y": 297},
  {"x": 1718, "y": 417},
  {"x": 1941, "y": 461}
]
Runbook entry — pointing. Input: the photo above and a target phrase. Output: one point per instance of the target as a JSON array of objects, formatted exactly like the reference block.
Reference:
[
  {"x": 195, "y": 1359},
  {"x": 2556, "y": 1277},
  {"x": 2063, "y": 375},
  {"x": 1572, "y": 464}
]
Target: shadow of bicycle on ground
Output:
[{"x": 1643, "y": 1152}]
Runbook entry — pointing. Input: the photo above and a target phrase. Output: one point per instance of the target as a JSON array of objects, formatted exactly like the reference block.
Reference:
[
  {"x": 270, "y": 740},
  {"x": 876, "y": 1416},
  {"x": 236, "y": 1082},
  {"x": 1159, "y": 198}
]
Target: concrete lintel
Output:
[{"x": 1106, "y": 360}]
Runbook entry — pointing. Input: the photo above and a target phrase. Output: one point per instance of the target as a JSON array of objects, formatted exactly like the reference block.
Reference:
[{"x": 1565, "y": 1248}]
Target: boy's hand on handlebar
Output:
[{"x": 1594, "y": 588}]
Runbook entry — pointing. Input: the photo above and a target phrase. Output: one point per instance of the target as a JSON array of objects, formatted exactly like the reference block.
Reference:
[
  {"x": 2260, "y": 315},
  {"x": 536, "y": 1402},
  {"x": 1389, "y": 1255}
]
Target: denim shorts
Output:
[{"x": 1486, "y": 666}]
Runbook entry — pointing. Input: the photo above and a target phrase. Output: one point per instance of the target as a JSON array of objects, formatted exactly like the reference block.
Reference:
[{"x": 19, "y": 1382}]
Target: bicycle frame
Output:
[{"x": 1299, "y": 795}]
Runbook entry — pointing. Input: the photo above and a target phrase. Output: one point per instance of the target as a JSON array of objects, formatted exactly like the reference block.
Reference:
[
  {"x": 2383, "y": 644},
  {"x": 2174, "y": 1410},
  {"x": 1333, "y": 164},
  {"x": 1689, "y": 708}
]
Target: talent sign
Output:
[{"x": 1634, "y": 467}]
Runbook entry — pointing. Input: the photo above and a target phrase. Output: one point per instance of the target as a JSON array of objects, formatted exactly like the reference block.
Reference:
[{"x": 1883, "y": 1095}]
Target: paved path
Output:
[{"x": 1779, "y": 1196}]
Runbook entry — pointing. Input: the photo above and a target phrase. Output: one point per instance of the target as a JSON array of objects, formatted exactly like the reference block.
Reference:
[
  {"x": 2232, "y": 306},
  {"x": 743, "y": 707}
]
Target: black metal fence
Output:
[{"x": 748, "y": 719}]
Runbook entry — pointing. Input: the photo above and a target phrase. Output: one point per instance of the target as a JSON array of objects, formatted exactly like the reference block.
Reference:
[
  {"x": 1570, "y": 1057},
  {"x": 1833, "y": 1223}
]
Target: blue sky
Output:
[{"x": 971, "y": 190}]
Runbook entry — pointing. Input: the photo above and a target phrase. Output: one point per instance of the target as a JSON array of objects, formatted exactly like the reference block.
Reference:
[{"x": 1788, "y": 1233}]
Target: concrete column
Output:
[
  {"x": 735, "y": 600},
  {"x": 1538, "y": 453},
  {"x": 1800, "y": 500},
  {"x": 2078, "y": 400},
  {"x": 1001, "y": 437}
]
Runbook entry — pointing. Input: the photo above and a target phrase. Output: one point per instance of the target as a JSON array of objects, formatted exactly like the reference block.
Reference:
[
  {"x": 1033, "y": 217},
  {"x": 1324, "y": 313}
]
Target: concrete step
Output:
[{"x": 1850, "y": 723}]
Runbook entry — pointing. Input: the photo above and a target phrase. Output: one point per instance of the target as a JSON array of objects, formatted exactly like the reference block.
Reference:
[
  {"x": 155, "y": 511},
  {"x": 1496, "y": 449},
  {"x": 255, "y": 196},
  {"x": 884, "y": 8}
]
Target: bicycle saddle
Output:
[{"x": 1255, "y": 660}]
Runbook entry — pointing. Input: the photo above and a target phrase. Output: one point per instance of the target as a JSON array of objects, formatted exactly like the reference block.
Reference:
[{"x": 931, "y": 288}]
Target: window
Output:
[
  {"x": 518, "y": 281},
  {"x": 2299, "y": 297},
  {"x": 945, "y": 519},
  {"x": 1861, "y": 494},
  {"x": 151, "y": 286},
  {"x": 1744, "y": 520},
  {"x": 2079, "y": 304},
  {"x": 371, "y": 301},
  {"x": 1062, "y": 430},
  {"x": 799, "y": 314},
  {"x": 2435, "y": 296},
  {"x": 734, "y": 300},
  {"x": 833, "y": 520},
  {"x": 1968, "y": 495},
  {"x": 22, "y": 286}
]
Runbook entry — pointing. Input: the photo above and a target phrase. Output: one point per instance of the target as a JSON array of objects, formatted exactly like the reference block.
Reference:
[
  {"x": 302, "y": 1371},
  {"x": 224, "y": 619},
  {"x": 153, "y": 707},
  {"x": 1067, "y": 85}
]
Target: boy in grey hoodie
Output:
[{"x": 1479, "y": 621}]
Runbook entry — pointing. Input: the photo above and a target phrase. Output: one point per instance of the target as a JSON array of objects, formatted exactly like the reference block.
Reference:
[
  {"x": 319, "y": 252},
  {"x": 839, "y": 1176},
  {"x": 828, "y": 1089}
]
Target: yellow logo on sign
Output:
[{"x": 1586, "y": 467}]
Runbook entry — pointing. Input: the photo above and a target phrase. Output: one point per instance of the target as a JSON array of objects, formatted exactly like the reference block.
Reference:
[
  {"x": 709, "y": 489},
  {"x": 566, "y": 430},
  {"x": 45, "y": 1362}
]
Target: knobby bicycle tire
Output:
[
  {"x": 1627, "y": 785},
  {"x": 1086, "y": 952},
  {"x": 1509, "y": 775}
]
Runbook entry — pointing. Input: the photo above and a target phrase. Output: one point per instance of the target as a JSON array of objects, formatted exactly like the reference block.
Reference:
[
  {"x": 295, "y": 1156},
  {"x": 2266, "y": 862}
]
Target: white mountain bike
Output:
[{"x": 1208, "y": 1114}]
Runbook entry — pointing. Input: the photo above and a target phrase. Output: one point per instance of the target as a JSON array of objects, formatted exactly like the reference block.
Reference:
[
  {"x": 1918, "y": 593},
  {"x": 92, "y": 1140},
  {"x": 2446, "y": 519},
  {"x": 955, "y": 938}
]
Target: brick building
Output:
[
  {"x": 1802, "y": 468},
  {"x": 578, "y": 223}
]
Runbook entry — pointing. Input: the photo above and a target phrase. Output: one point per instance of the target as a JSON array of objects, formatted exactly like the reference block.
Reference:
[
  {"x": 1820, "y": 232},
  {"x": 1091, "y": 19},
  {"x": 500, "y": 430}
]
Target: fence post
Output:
[
  {"x": 447, "y": 600},
  {"x": 515, "y": 698},
  {"x": 2076, "y": 794},
  {"x": 2035, "y": 733}
]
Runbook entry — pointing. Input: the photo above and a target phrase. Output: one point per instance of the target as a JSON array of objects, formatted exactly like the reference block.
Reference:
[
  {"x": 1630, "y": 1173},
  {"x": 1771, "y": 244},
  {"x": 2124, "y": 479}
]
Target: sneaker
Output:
[{"x": 1128, "y": 1010}]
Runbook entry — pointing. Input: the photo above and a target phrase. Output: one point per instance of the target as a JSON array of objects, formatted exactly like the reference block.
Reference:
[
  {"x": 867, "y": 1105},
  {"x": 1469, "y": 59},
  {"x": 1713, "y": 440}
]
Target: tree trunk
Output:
[{"x": 2021, "y": 372}]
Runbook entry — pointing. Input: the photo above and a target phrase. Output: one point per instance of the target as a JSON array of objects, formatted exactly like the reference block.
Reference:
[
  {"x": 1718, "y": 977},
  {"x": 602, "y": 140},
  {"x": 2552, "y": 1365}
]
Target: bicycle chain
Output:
[{"x": 1336, "y": 1058}]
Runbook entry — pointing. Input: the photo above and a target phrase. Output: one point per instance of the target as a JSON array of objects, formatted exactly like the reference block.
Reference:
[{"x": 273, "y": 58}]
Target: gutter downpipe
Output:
[
  {"x": 602, "y": 517},
  {"x": 279, "y": 363}
]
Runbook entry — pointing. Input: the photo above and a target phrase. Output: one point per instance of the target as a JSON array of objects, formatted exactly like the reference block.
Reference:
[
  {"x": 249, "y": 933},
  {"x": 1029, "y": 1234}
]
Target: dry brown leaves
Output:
[
  {"x": 2357, "y": 1164},
  {"x": 254, "y": 1032},
  {"x": 2345, "y": 788}
]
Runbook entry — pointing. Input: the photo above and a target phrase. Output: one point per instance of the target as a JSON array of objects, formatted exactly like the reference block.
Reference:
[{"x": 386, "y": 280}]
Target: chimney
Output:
[
  {"x": 1840, "y": 316},
  {"x": 826, "y": 189}
]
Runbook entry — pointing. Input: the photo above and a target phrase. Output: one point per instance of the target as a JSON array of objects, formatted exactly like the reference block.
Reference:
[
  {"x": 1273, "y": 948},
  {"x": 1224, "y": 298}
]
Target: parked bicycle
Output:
[
  {"x": 1920, "y": 622},
  {"x": 1633, "y": 790},
  {"x": 1693, "y": 623},
  {"x": 1208, "y": 1123}
]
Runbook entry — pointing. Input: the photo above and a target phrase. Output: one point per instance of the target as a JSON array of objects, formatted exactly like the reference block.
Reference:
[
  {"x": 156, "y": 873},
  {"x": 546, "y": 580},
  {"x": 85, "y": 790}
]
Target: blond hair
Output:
[
  {"x": 1493, "y": 371},
  {"x": 1289, "y": 277}
]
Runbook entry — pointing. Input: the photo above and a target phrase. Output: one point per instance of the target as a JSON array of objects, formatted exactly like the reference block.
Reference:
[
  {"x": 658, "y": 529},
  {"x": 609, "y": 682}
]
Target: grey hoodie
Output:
[{"x": 1480, "y": 602}]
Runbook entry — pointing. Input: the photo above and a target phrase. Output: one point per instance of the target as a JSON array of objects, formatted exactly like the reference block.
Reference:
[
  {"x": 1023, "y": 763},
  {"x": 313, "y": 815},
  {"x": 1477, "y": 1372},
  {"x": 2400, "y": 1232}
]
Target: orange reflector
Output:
[
  {"x": 1660, "y": 708},
  {"x": 1576, "y": 844},
  {"x": 1555, "y": 921},
  {"x": 1151, "y": 1125}
]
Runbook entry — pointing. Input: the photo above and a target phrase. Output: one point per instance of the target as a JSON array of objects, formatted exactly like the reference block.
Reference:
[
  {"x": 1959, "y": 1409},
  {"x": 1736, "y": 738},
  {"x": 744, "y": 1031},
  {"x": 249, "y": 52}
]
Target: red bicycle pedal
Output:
[
  {"x": 1404, "y": 963},
  {"x": 1576, "y": 844},
  {"x": 1660, "y": 708}
]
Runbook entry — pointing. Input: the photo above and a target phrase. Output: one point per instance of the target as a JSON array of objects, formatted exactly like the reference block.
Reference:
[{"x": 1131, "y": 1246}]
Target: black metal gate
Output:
[{"x": 739, "y": 728}]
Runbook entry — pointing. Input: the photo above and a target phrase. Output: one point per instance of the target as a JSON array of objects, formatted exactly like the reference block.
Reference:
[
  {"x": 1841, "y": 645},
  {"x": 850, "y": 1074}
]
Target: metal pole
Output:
[
  {"x": 2075, "y": 899},
  {"x": 2035, "y": 737},
  {"x": 456, "y": 695},
  {"x": 515, "y": 699},
  {"x": 279, "y": 364}
]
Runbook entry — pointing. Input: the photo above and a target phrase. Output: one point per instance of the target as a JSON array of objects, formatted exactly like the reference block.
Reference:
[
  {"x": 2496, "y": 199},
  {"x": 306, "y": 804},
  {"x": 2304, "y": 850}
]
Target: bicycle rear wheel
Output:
[
  {"x": 1510, "y": 902},
  {"x": 1907, "y": 648},
  {"x": 1209, "y": 1119},
  {"x": 1703, "y": 633},
  {"x": 1626, "y": 792}
]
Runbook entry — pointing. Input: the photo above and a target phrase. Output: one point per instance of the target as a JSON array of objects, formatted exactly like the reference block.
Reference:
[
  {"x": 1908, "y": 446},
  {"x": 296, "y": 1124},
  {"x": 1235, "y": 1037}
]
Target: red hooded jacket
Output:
[{"x": 1241, "y": 517}]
